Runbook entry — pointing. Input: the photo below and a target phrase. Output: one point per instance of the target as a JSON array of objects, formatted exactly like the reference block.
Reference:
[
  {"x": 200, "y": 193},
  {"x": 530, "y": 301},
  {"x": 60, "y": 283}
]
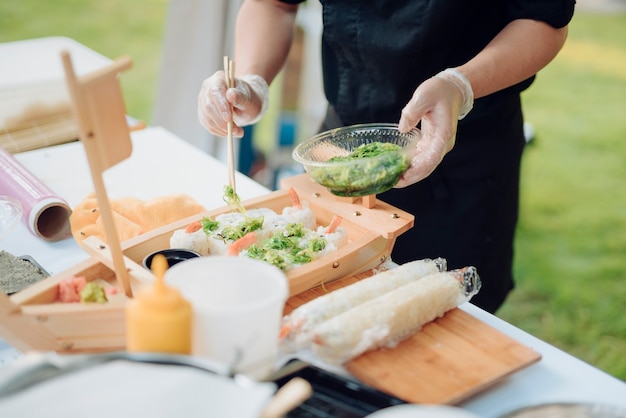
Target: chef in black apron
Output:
[{"x": 374, "y": 56}]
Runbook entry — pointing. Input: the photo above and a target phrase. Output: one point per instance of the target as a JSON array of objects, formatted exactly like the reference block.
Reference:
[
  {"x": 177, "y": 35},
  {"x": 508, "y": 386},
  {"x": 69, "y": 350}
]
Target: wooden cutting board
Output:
[{"x": 446, "y": 362}]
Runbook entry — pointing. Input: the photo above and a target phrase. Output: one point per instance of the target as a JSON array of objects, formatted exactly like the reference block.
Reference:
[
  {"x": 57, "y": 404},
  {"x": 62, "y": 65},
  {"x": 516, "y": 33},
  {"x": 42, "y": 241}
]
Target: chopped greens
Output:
[
  {"x": 209, "y": 225},
  {"x": 231, "y": 232},
  {"x": 284, "y": 249},
  {"x": 294, "y": 230},
  {"x": 232, "y": 199},
  {"x": 370, "y": 150},
  {"x": 294, "y": 244},
  {"x": 234, "y": 232},
  {"x": 371, "y": 168}
]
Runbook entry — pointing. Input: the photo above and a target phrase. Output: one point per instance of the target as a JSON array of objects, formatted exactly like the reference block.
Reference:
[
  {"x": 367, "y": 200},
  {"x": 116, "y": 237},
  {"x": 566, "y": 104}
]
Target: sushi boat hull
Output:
[{"x": 33, "y": 319}]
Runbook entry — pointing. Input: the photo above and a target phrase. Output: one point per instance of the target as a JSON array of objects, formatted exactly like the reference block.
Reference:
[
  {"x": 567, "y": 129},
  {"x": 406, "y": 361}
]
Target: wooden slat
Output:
[
  {"x": 98, "y": 107},
  {"x": 373, "y": 214},
  {"x": 21, "y": 332},
  {"x": 51, "y": 129}
]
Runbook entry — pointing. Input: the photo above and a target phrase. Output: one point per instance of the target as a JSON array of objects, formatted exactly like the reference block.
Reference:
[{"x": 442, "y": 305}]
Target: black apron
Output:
[{"x": 466, "y": 211}]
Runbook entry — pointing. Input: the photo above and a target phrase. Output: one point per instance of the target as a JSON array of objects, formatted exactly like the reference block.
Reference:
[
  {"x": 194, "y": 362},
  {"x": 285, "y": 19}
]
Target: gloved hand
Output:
[
  {"x": 249, "y": 100},
  {"x": 439, "y": 103}
]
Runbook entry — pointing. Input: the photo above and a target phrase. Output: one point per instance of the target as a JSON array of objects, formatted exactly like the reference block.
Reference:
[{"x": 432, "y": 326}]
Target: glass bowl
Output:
[
  {"x": 363, "y": 176},
  {"x": 10, "y": 214}
]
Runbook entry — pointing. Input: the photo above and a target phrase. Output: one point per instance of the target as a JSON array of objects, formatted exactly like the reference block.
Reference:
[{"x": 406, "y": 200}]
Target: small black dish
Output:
[{"x": 172, "y": 255}]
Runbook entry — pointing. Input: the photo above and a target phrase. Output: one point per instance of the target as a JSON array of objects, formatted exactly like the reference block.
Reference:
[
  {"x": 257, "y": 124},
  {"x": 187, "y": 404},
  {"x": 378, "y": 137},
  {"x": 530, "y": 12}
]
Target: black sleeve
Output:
[{"x": 556, "y": 13}]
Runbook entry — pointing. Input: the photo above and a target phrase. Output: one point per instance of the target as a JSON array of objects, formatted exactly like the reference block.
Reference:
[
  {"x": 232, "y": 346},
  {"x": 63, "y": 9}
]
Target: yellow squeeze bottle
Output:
[{"x": 159, "y": 319}]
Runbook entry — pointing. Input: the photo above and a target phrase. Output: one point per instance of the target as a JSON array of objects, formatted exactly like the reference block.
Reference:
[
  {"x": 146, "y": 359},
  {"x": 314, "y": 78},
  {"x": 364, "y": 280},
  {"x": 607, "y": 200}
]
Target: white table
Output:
[{"x": 163, "y": 164}]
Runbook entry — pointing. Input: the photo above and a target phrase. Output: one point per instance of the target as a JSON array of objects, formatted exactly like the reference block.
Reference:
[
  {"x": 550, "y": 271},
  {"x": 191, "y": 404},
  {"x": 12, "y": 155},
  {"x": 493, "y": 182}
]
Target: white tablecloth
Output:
[{"x": 163, "y": 164}]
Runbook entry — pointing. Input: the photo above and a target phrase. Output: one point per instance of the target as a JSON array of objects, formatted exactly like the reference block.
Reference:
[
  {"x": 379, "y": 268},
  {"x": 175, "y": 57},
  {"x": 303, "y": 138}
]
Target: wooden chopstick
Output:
[{"x": 229, "y": 73}]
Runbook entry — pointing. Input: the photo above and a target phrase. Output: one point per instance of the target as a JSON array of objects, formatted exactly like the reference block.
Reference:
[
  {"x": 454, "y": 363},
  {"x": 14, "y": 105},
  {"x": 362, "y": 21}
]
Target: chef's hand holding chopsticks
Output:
[
  {"x": 438, "y": 103},
  {"x": 249, "y": 100}
]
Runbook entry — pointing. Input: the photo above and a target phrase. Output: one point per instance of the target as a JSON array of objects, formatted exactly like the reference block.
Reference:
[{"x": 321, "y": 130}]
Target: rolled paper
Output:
[{"x": 45, "y": 214}]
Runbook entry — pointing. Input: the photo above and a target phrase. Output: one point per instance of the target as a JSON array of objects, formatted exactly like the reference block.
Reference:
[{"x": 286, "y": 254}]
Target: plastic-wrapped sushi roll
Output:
[
  {"x": 297, "y": 326},
  {"x": 388, "y": 319}
]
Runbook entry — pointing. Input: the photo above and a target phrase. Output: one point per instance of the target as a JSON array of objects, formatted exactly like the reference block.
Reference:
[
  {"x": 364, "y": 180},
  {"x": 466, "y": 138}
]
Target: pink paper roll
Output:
[{"x": 45, "y": 214}]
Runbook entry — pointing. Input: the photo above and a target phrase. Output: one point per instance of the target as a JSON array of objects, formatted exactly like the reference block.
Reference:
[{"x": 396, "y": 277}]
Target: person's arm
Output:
[
  {"x": 519, "y": 51},
  {"x": 263, "y": 35}
]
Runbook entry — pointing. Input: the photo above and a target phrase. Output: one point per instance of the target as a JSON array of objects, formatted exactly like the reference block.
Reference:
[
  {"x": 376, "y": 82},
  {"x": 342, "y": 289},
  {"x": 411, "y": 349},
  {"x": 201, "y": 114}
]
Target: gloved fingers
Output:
[
  {"x": 436, "y": 103},
  {"x": 214, "y": 110},
  {"x": 250, "y": 99},
  {"x": 426, "y": 156},
  {"x": 461, "y": 82},
  {"x": 245, "y": 105},
  {"x": 435, "y": 96}
]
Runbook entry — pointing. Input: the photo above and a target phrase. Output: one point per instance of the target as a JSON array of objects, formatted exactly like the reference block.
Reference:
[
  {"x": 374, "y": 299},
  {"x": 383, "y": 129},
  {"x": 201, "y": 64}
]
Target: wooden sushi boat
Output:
[{"x": 33, "y": 319}]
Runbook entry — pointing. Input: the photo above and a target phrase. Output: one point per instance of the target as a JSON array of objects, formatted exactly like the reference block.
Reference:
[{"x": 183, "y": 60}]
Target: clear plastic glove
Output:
[
  {"x": 439, "y": 103},
  {"x": 248, "y": 100}
]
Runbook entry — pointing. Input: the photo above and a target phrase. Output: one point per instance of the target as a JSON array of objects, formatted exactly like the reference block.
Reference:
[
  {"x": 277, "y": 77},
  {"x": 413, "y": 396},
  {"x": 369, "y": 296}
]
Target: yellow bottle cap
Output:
[{"x": 161, "y": 296}]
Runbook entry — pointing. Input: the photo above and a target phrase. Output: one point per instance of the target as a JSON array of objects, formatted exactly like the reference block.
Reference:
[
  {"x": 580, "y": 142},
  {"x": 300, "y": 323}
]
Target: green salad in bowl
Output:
[{"x": 358, "y": 160}]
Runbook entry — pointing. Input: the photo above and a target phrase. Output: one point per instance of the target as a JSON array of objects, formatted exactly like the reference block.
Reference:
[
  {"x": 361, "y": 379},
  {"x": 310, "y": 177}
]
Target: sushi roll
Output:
[
  {"x": 299, "y": 212},
  {"x": 386, "y": 320},
  {"x": 334, "y": 234},
  {"x": 273, "y": 224},
  {"x": 298, "y": 326},
  {"x": 191, "y": 238}
]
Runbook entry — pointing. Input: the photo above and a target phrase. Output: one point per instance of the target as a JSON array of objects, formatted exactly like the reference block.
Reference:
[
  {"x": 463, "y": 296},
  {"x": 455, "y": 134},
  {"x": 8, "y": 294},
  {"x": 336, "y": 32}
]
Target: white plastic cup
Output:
[{"x": 237, "y": 310}]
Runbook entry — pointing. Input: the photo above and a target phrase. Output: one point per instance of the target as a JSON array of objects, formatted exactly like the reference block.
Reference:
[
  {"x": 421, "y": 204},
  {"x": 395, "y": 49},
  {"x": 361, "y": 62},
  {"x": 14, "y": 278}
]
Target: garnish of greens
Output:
[
  {"x": 370, "y": 168},
  {"x": 231, "y": 232},
  {"x": 234, "y": 232},
  {"x": 232, "y": 199},
  {"x": 293, "y": 246}
]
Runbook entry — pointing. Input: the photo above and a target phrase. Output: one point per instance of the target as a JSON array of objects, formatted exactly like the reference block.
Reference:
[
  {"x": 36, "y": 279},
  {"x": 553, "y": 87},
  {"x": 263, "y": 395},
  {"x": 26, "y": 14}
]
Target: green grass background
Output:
[
  {"x": 571, "y": 243},
  {"x": 112, "y": 28}
]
